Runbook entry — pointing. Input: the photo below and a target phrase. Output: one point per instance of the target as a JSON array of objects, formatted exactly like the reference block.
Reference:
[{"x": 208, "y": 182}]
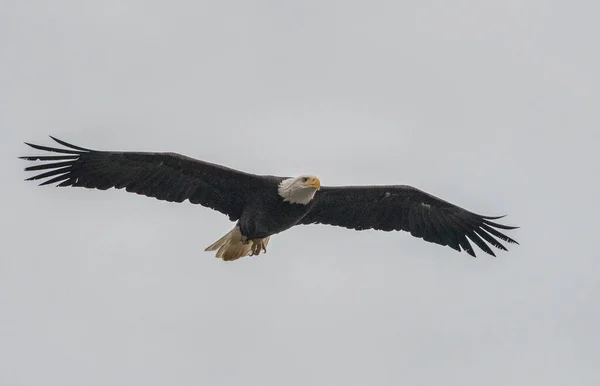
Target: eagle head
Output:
[{"x": 299, "y": 190}]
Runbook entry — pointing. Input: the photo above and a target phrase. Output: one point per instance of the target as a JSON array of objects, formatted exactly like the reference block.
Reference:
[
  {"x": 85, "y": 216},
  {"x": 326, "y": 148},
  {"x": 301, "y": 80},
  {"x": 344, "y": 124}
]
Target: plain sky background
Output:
[{"x": 492, "y": 105}]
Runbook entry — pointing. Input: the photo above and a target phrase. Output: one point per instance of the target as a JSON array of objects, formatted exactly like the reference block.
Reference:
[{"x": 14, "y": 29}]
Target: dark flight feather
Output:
[
  {"x": 405, "y": 208},
  {"x": 165, "y": 176}
]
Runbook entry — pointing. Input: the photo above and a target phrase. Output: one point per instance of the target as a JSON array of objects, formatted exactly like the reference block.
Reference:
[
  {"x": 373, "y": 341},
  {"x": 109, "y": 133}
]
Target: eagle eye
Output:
[{"x": 304, "y": 179}]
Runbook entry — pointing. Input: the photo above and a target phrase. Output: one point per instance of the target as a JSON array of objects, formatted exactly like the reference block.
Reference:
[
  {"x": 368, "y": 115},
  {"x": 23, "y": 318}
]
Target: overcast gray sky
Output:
[{"x": 491, "y": 105}]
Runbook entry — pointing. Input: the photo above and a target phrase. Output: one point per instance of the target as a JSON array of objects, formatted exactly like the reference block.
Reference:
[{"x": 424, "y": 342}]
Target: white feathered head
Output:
[{"x": 299, "y": 190}]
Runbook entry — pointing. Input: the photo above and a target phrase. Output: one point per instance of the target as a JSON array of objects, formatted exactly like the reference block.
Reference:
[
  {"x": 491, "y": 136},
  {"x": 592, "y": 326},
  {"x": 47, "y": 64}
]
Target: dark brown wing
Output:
[
  {"x": 165, "y": 176},
  {"x": 409, "y": 209}
]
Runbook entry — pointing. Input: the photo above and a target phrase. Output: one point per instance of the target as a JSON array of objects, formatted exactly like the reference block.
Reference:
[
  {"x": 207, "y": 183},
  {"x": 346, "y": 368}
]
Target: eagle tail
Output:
[{"x": 232, "y": 246}]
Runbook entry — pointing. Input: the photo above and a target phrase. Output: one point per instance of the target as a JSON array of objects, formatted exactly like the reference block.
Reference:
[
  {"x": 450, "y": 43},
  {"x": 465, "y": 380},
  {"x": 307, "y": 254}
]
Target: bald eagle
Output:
[{"x": 264, "y": 205}]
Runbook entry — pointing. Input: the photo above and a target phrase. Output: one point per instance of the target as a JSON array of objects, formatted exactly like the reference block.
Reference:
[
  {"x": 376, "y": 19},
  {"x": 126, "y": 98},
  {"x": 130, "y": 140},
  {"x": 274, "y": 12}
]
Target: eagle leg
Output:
[
  {"x": 259, "y": 245},
  {"x": 255, "y": 248}
]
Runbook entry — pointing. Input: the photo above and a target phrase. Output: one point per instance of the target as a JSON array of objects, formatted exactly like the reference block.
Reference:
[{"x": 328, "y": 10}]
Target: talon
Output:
[{"x": 255, "y": 248}]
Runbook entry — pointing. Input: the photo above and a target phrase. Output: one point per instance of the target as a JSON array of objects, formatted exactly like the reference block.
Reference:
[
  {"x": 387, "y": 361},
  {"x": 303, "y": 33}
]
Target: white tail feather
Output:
[{"x": 232, "y": 246}]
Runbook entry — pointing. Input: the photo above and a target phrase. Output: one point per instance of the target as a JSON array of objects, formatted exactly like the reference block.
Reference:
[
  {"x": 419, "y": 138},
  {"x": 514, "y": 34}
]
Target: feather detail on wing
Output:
[
  {"x": 408, "y": 209},
  {"x": 165, "y": 176}
]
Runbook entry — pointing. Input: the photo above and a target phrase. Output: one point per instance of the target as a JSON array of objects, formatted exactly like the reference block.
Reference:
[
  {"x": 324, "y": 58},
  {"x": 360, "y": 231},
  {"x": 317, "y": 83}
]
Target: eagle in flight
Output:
[{"x": 264, "y": 205}]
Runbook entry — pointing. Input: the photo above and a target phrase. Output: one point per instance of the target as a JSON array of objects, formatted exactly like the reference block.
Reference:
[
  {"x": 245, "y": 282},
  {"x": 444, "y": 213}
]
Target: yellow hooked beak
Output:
[{"x": 314, "y": 183}]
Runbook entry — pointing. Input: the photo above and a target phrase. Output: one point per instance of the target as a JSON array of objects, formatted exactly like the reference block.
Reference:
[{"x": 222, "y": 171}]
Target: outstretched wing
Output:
[
  {"x": 408, "y": 209},
  {"x": 165, "y": 176}
]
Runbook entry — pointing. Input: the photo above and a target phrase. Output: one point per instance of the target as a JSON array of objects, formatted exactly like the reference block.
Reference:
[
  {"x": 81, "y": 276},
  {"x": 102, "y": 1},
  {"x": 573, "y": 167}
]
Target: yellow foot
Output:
[{"x": 259, "y": 245}]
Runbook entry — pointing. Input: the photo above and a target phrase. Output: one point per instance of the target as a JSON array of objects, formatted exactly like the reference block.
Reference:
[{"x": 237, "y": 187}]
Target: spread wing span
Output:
[
  {"x": 408, "y": 209},
  {"x": 165, "y": 176}
]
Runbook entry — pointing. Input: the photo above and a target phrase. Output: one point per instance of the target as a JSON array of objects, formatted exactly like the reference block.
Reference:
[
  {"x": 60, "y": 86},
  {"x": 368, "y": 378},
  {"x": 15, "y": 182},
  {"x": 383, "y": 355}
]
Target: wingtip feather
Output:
[{"x": 69, "y": 144}]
